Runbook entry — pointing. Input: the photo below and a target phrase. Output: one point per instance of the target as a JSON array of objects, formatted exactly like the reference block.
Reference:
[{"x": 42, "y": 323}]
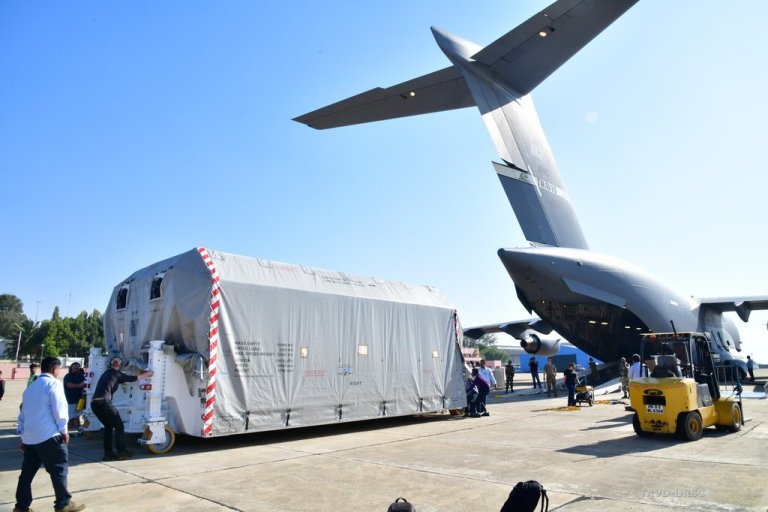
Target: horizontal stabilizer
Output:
[
  {"x": 435, "y": 92},
  {"x": 532, "y": 51},
  {"x": 742, "y": 306}
]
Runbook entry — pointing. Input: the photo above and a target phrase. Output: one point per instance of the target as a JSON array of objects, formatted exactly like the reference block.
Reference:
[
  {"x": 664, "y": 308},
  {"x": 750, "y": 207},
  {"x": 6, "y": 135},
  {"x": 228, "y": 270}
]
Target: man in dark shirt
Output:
[
  {"x": 483, "y": 388},
  {"x": 74, "y": 382},
  {"x": 570, "y": 383},
  {"x": 102, "y": 407},
  {"x": 533, "y": 364}
]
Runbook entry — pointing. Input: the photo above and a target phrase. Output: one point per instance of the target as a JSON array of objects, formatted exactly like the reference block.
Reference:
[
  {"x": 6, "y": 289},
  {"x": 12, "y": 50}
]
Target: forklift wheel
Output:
[
  {"x": 735, "y": 418},
  {"x": 589, "y": 401},
  {"x": 690, "y": 426},
  {"x": 636, "y": 425},
  {"x": 159, "y": 449}
]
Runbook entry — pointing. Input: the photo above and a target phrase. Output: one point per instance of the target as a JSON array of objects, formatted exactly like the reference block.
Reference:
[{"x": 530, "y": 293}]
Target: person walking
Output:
[
  {"x": 570, "y": 383},
  {"x": 550, "y": 373},
  {"x": 42, "y": 426},
  {"x": 74, "y": 383},
  {"x": 624, "y": 376},
  {"x": 509, "y": 375},
  {"x": 101, "y": 405},
  {"x": 751, "y": 369},
  {"x": 533, "y": 365}
]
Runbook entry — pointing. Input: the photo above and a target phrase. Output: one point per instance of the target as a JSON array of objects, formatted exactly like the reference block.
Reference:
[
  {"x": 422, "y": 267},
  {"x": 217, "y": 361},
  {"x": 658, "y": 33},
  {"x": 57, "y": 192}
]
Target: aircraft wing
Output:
[
  {"x": 435, "y": 92},
  {"x": 743, "y": 306},
  {"x": 514, "y": 329},
  {"x": 532, "y": 51}
]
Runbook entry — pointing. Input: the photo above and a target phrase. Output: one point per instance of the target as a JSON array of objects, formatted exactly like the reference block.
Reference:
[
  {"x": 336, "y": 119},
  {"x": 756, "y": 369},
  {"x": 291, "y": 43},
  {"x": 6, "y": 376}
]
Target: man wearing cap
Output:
[
  {"x": 42, "y": 426},
  {"x": 102, "y": 407}
]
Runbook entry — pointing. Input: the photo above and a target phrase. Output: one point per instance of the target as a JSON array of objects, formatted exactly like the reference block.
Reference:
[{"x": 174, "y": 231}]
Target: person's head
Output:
[
  {"x": 747, "y": 358},
  {"x": 116, "y": 363},
  {"x": 474, "y": 372},
  {"x": 623, "y": 359},
  {"x": 50, "y": 365},
  {"x": 33, "y": 368},
  {"x": 74, "y": 368},
  {"x": 571, "y": 366},
  {"x": 509, "y": 362},
  {"x": 635, "y": 358},
  {"x": 482, "y": 363},
  {"x": 590, "y": 359},
  {"x": 549, "y": 359}
]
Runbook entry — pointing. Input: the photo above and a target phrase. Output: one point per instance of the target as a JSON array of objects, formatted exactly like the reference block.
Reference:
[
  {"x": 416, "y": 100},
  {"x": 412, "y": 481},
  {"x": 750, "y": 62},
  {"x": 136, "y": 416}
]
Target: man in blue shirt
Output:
[{"x": 44, "y": 438}]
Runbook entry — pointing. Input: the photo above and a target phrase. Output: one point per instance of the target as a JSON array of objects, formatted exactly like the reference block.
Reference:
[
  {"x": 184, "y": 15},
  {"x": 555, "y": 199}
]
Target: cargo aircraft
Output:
[{"x": 599, "y": 303}]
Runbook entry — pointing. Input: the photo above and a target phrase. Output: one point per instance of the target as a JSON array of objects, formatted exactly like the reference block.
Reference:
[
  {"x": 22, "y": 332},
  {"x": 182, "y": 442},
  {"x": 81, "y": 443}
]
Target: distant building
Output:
[{"x": 567, "y": 354}]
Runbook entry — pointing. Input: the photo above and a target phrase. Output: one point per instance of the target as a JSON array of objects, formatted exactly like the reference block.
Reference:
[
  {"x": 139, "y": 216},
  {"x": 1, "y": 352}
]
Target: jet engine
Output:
[{"x": 537, "y": 344}]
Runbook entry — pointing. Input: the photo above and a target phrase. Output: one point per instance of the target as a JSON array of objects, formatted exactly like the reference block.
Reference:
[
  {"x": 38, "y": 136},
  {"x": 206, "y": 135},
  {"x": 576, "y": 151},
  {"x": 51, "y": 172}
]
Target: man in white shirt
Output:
[
  {"x": 44, "y": 438},
  {"x": 636, "y": 370},
  {"x": 487, "y": 375}
]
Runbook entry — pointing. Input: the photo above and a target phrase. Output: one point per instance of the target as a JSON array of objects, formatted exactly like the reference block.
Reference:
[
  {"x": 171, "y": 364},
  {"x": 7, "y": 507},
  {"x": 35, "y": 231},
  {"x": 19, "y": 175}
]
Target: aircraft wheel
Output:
[
  {"x": 159, "y": 449},
  {"x": 735, "y": 418},
  {"x": 691, "y": 427},
  {"x": 636, "y": 425}
]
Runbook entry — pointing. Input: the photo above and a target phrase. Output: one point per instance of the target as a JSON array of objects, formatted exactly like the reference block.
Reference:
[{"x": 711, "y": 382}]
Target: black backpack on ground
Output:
[
  {"x": 401, "y": 506},
  {"x": 525, "y": 496}
]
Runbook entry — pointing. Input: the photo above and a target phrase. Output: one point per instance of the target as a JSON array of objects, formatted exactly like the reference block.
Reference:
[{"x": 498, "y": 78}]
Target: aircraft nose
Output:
[{"x": 515, "y": 261}]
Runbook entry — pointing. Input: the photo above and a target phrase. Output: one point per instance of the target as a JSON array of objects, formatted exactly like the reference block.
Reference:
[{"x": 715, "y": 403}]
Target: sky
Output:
[{"x": 134, "y": 131}]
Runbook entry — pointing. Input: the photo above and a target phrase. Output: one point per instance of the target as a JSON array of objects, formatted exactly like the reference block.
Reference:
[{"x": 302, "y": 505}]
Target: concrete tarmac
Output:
[{"x": 588, "y": 459}]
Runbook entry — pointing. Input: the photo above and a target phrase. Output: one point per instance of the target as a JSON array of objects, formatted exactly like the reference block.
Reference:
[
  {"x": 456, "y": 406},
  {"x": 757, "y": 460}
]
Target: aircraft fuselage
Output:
[{"x": 602, "y": 304}]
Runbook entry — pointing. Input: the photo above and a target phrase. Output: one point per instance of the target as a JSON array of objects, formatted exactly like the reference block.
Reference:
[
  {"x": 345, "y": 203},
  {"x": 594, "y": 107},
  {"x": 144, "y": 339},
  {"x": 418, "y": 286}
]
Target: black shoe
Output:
[
  {"x": 474, "y": 415},
  {"x": 110, "y": 456},
  {"x": 486, "y": 413},
  {"x": 124, "y": 455}
]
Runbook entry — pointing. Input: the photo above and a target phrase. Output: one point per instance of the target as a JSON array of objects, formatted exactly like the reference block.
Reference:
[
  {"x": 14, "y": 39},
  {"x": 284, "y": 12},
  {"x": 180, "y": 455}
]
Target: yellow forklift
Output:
[{"x": 681, "y": 393}]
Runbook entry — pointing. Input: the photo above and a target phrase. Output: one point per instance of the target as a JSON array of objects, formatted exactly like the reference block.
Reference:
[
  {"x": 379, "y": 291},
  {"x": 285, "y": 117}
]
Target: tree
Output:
[
  {"x": 486, "y": 345},
  {"x": 11, "y": 314},
  {"x": 58, "y": 336}
]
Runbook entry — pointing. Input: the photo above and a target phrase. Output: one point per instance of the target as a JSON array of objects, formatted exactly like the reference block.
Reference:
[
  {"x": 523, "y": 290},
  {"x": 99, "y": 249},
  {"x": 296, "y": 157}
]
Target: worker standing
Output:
[
  {"x": 509, "y": 374},
  {"x": 533, "y": 365},
  {"x": 624, "y": 375},
  {"x": 550, "y": 373}
]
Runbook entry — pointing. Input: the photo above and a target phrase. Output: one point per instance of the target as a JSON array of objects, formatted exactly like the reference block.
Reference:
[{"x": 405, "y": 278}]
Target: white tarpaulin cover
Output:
[{"x": 289, "y": 346}]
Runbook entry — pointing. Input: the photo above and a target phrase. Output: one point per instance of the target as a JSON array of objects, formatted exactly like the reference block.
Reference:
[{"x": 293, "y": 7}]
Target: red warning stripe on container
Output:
[{"x": 213, "y": 342}]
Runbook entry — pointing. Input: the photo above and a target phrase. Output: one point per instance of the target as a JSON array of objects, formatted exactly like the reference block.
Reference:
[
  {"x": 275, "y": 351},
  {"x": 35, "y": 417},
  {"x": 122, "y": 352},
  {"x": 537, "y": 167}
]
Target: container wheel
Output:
[
  {"x": 689, "y": 426},
  {"x": 636, "y": 425},
  {"x": 159, "y": 449},
  {"x": 735, "y": 418}
]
